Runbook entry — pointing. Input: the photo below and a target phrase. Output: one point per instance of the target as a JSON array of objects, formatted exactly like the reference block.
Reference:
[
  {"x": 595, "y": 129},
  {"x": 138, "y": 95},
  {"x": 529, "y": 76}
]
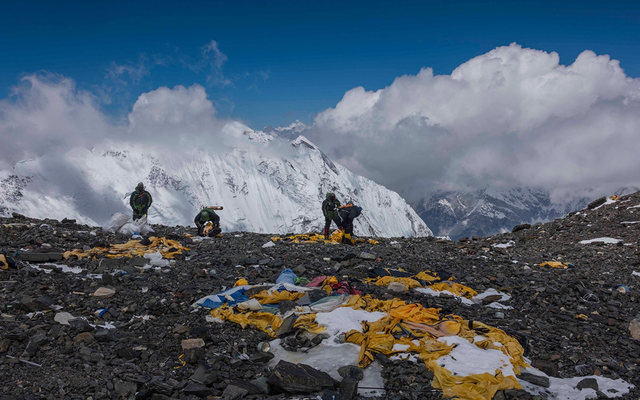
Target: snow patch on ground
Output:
[
  {"x": 467, "y": 359},
  {"x": 330, "y": 355},
  {"x": 601, "y": 240},
  {"x": 565, "y": 389}
]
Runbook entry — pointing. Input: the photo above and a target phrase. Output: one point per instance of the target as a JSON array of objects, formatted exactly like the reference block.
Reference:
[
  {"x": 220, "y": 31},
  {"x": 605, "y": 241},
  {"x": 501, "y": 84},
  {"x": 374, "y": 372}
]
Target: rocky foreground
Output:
[{"x": 130, "y": 340}]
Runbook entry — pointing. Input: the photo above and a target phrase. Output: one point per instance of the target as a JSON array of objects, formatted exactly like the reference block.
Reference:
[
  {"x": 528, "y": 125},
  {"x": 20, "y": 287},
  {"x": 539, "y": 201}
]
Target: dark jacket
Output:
[
  {"x": 349, "y": 212},
  {"x": 330, "y": 207},
  {"x": 206, "y": 214},
  {"x": 140, "y": 201}
]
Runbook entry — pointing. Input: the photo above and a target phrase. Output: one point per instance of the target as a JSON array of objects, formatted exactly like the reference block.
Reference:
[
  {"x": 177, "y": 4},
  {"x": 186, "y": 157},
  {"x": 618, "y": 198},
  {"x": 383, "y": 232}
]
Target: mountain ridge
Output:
[{"x": 261, "y": 190}]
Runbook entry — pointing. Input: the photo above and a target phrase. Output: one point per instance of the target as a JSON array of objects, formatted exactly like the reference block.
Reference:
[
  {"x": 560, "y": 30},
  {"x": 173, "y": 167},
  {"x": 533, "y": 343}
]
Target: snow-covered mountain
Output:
[
  {"x": 490, "y": 211},
  {"x": 261, "y": 189}
]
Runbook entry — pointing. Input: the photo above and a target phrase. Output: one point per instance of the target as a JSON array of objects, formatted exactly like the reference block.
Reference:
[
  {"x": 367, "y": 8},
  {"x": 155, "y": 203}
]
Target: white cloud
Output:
[
  {"x": 117, "y": 72},
  {"x": 215, "y": 59},
  {"x": 47, "y": 113},
  {"x": 179, "y": 110},
  {"x": 511, "y": 117}
]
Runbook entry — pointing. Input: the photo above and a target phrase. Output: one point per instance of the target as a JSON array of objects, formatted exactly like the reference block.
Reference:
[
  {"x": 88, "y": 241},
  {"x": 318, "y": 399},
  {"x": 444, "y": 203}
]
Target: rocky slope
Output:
[{"x": 576, "y": 320}]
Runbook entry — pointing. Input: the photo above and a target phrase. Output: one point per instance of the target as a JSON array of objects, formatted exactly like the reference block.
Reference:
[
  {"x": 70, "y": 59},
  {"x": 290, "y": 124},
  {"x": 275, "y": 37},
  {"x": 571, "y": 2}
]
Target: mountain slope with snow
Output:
[
  {"x": 261, "y": 190},
  {"x": 490, "y": 211}
]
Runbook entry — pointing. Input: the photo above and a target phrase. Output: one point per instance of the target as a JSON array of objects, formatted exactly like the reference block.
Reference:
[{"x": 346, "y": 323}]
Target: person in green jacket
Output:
[
  {"x": 205, "y": 215},
  {"x": 140, "y": 201},
  {"x": 330, "y": 210}
]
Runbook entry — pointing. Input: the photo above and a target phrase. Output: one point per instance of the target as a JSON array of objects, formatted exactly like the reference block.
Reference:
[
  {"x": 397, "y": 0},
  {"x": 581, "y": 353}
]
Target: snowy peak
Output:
[
  {"x": 265, "y": 184},
  {"x": 490, "y": 211}
]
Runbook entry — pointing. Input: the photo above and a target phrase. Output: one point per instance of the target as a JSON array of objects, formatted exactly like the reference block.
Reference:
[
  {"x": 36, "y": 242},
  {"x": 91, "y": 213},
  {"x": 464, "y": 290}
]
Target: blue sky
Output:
[{"x": 277, "y": 62}]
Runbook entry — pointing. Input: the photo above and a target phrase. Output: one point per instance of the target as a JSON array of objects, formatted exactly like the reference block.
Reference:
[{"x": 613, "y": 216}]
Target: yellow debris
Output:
[
  {"x": 276, "y": 297},
  {"x": 474, "y": 387},
  {"x": 384, "y": 281},
  {"x": 241, "y": 282},
  {"x": 132, "y": 248},
  {"x": 554, "y": 264},
  {"x": 266, "y": 322},
  {"x": 336, "y": 238},
  {"x": 455, "y": 288},
  {"x": 428, "y": 276},
  {"x": 581, "y": 316}
]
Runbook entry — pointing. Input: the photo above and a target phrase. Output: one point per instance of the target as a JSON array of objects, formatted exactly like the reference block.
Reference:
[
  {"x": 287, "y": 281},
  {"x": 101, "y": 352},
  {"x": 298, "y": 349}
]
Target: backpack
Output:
[{"x": 139, "y": 200}]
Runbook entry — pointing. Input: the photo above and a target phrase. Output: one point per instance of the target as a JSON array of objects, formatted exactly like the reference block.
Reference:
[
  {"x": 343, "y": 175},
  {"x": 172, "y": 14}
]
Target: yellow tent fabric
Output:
[
  {"x": 510, "y": 346},
  {"x": 266, "y": 322},
  {"x": 3, "y": 262},
  {"x": 412, "y": 282},
  {"x": 416, "y": 328},
  {"x": 554, "y": 264},
  {"x": 427, "y": 276},
  {"x": 241, "y": 282},
  {"x": 474, "y": 387},
  {"x": 335, "y": 238},
  {"x": 414, "y": 313},
  {"x": 132, "y": 248},
  {"x": 384, "y": 281},
  {"x": 275, "y": 297},
  {"x": 455, "y": 288}
]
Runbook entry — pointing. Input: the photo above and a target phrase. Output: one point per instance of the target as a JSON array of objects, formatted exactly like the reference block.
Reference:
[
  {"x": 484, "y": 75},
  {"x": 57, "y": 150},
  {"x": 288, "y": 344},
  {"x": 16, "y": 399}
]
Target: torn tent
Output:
[
  {"x": 405, "y": 329},
  {"x": 438, "y": 281},
  {"x": 168, "y": 249},
  {"x": 335, "y": 238}
]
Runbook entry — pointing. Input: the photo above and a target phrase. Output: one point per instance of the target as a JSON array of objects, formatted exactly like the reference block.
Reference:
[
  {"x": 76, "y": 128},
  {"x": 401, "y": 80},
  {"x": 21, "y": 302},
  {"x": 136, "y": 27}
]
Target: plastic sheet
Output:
[{"x": 121, "y": 223}]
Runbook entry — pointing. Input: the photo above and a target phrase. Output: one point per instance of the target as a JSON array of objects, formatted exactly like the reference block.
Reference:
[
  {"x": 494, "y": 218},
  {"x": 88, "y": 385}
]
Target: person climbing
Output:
[
  {"x": 208, "y": 214},
  {"x": 140, "y": 202},
  {"x": 329, "y": 209},
  {"x": 347, "y": 214}
]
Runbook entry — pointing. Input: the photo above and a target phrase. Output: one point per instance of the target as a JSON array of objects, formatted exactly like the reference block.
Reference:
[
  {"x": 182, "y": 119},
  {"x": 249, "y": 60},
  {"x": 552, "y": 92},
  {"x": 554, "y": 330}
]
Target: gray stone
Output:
[
  {"x": 521, "y": 227},
  {"x": 261, "y": 385},
  {"x": 348, "y": 388},
  {"x": 197, "y": 389},
  {"x": 548, "y": 368},
  {"x": 588, "y": 383},
  {"x": 351, "y": 372},
  {"x": 535, "y": 379},
  {"x": 367, "y": 256},
  {"x": 40, "y": 257},
  {"x": 80, "y": 325},
  {"x": 138, "y": 261},
  {"x": 261, "y": 357},
  {"x": 597, "y": 203},
  {"x": 39, "y": 304},
  {"x": 34, "y": 344},
  {"x": 299, "y": 378},
  {"x": 233, "y": 392},
  {"x": 286, "y": 326},
  {"x": 125, "y": 389},
  {"x": 203, "y": 375}
]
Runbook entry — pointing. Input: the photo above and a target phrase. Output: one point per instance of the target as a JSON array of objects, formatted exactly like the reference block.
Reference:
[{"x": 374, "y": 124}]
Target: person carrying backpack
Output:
[
  {"x": 140, "y": 202},
  {"x": 347, "y": 214},
  {"x": 207, "y": 214},
  {"x": 330, "y": 210}
]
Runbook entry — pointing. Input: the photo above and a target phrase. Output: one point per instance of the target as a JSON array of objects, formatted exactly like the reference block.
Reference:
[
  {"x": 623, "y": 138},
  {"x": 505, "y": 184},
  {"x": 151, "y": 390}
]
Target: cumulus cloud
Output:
[
  {"x": 176, "y": 111},
  {"x": 511, "y": 117},
  {"x": 46, "y": 113}
]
